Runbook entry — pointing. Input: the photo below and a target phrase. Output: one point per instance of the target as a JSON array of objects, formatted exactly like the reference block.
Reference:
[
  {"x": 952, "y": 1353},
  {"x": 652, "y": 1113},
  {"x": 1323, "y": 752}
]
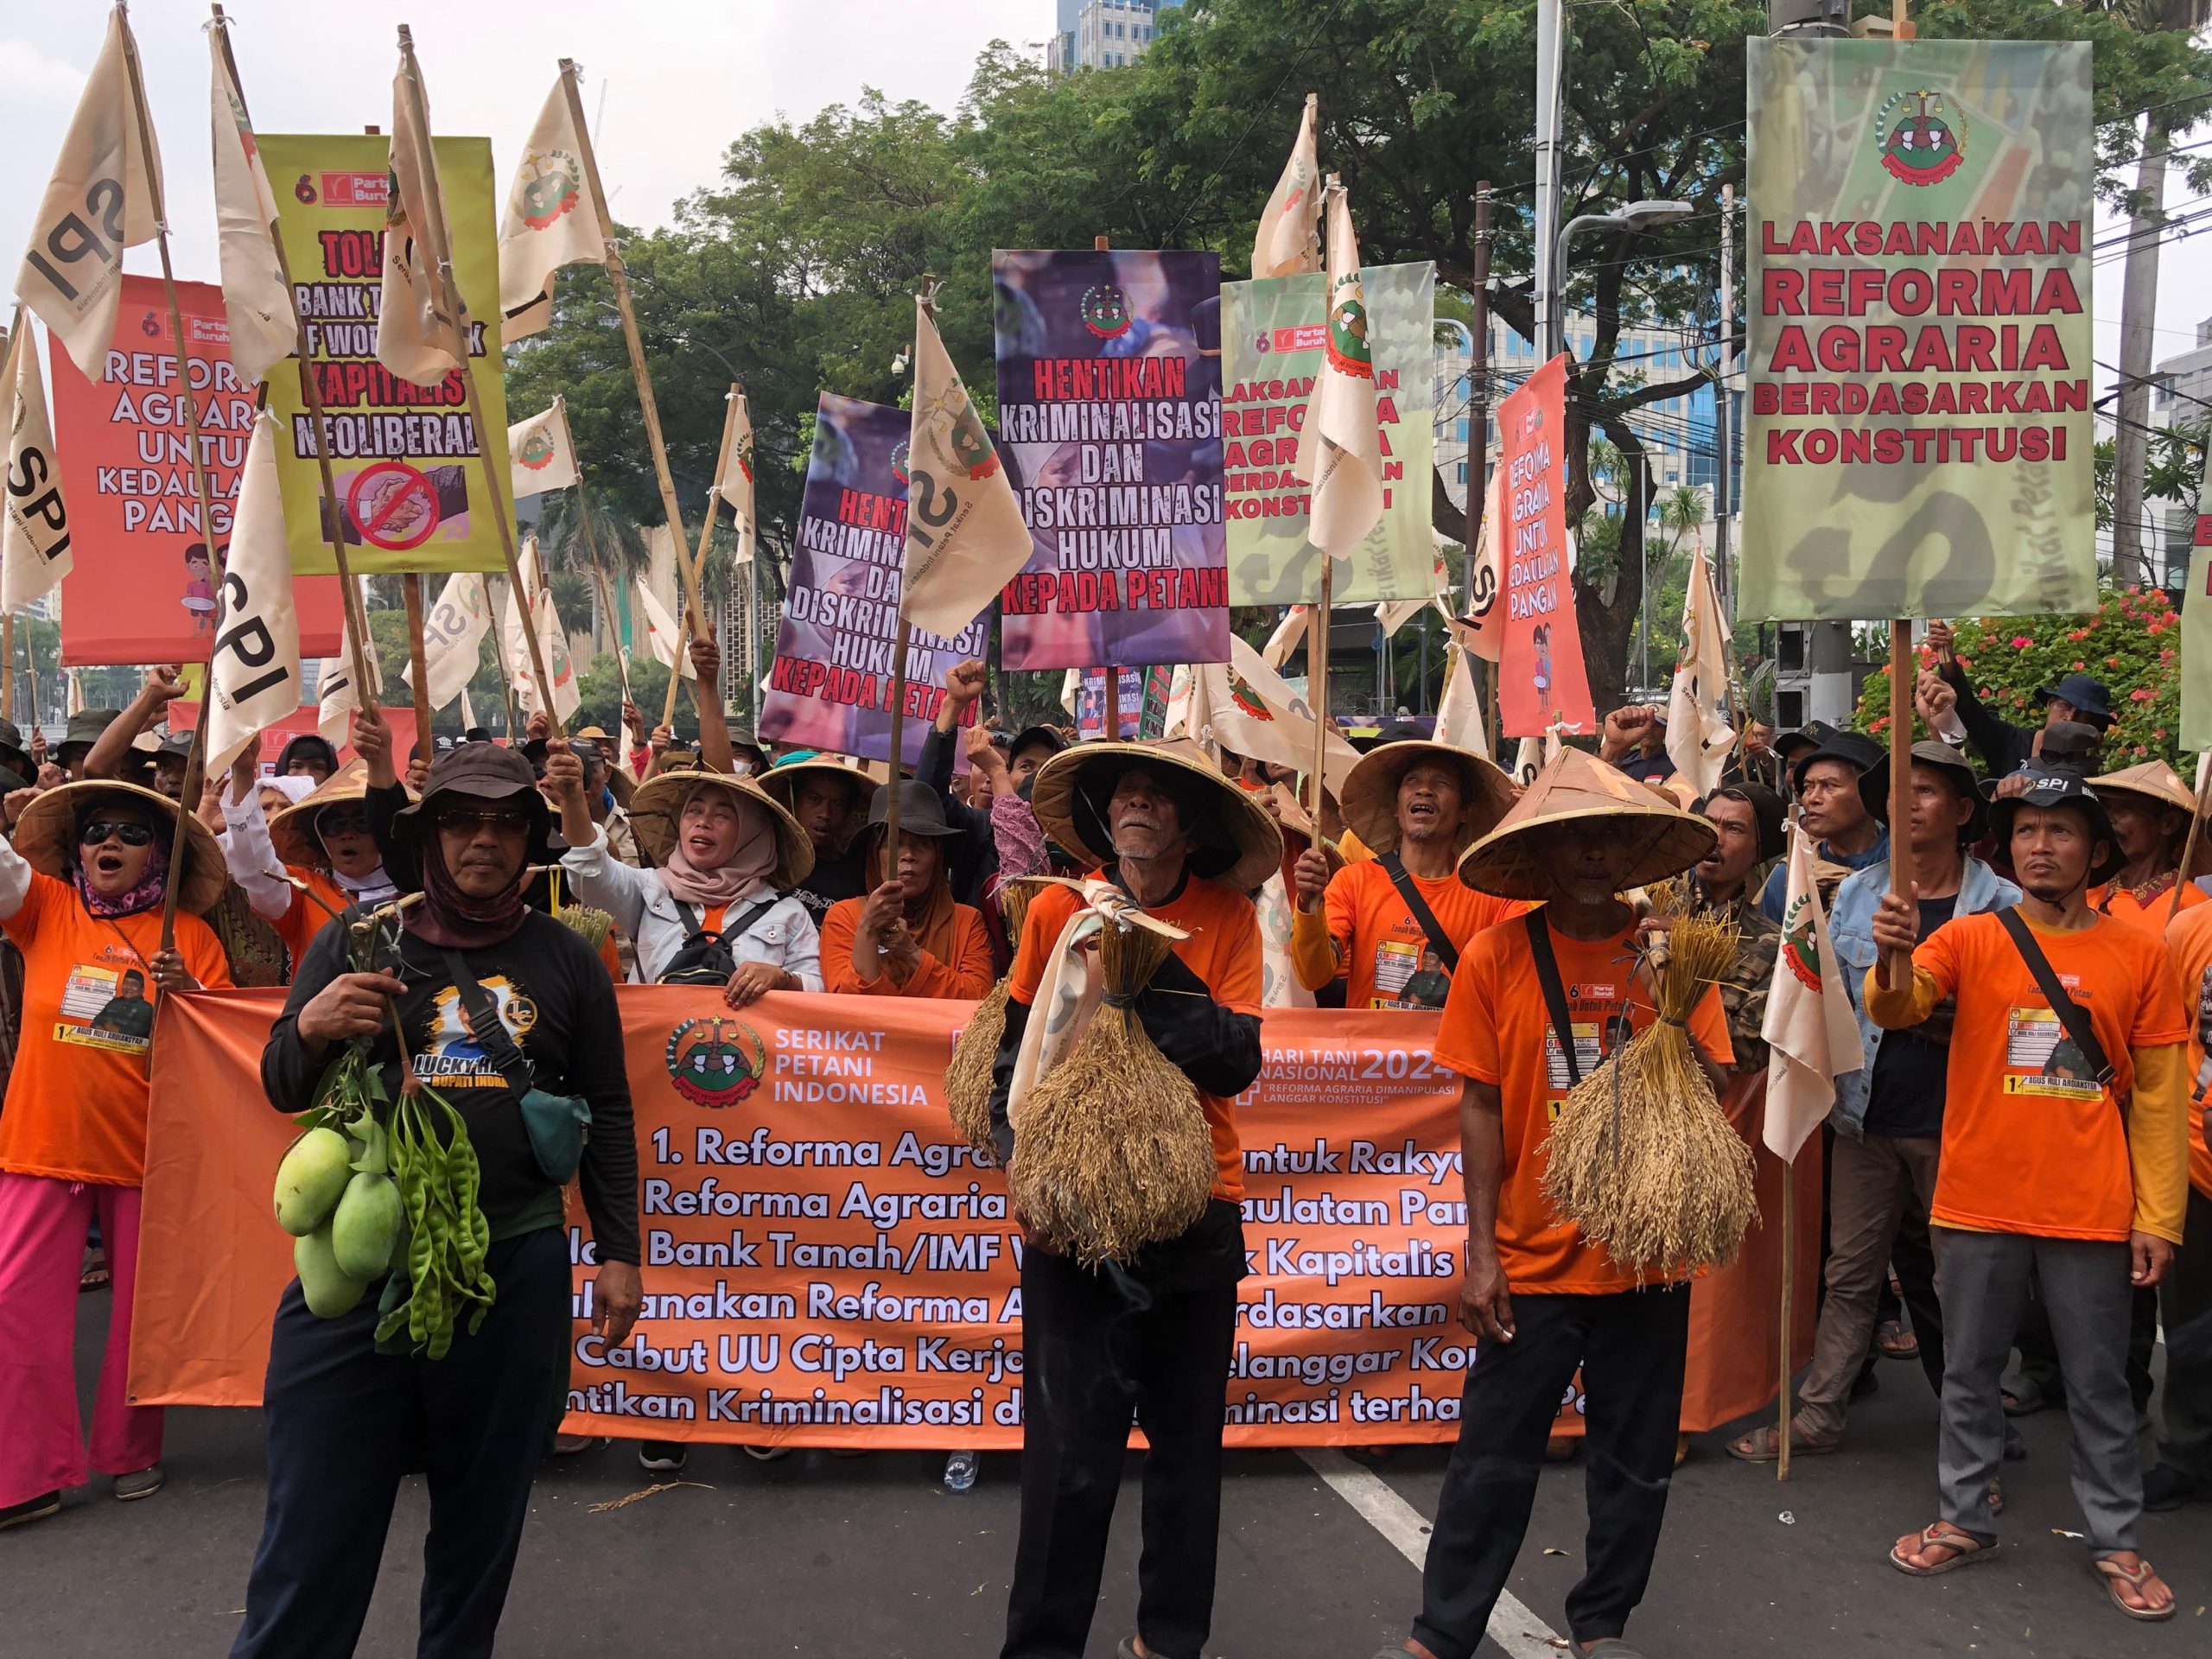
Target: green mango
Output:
[
  {"x": 366, "y": 1226},
  {"x": 328, "y": 1290},
  {"x": 311, "y": 1180}
]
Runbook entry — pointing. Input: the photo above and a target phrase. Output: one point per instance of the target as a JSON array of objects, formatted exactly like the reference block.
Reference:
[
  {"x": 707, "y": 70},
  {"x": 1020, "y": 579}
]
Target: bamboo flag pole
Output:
[
  {"x": 1897, "y": 966},
  {"x": 434, "y": 232},
  {"x": 2189, "y": 841},
  {"x": 696, "y": 571},
  {"x": 618, "y": 277},
  {"x": 8, "y": 666},
  {"x": 311, "y": 396},
  {"x": 1109, "y": 674},
  {"x": 1316, "y": 679},
  {"x": 499, "y": 657},
  {"x": 411, "y": 590},
  {"x": 926, "y": 307},
  {"x": 599, "y": 580},
  {"x": 189, "y": 794},
  {"x": 31, "y": 678},
  {"x": 1789, "y": 1272}
]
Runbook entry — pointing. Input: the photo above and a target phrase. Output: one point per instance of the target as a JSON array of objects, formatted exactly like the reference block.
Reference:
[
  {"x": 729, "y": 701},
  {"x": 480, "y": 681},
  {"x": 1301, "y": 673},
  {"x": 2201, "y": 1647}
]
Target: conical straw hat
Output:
[
  {"x": 1238, "y": 844},
  {"x": 1370, "y": 797},
  {"x": 45, "y": 836},
  {"x": 2157, "y": 781},
  {"x": 292, "y": 831},
  {"x": 1666, "y": 840}
]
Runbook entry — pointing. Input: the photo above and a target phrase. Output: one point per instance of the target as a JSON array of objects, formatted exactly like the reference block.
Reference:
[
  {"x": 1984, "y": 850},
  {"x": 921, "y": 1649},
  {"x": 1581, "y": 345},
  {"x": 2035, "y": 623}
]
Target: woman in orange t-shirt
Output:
[
  {"x": 323, "y": 841},
  {"x": 81, "y": 893},
  {"x": 908, "y": 937}
]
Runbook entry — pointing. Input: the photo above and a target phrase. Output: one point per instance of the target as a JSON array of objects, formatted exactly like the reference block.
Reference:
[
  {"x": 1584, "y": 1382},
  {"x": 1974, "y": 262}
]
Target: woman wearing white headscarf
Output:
[{"x": 726, "y": 855}]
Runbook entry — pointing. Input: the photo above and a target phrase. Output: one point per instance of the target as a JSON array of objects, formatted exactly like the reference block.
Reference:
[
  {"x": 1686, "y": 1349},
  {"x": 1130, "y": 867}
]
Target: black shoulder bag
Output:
[
  {"x": 1540, "y": 945},
  {"x": 556, "y": 1124},
  {"x": 1439, "y": 941},
  {"x": 2072, "y": 1014},
  {"x": 707, "y": 958}
]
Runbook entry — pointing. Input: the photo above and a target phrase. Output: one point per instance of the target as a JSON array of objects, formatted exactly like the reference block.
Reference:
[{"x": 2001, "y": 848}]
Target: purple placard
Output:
[
  {"x": 1109, "y": 423},
  {"x": 830, "y": 685}
]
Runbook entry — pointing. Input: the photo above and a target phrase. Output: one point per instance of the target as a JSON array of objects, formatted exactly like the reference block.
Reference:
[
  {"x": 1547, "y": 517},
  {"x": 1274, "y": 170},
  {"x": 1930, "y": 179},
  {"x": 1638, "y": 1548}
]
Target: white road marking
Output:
[{"x": 1512, "y": 1626}]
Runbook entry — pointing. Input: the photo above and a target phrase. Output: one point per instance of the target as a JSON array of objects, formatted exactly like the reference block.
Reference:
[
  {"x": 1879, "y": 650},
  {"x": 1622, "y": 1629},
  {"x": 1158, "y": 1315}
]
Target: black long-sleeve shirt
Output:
[
  {"x": 976, "y": 852},
  {"x": 2002, "y": 745},
  {"x": 556, "y": 1000}
]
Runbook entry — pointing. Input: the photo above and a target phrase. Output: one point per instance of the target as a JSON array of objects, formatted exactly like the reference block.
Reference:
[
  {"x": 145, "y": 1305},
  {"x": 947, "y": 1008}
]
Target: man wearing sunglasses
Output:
[{"x": 499, "y": 1001}]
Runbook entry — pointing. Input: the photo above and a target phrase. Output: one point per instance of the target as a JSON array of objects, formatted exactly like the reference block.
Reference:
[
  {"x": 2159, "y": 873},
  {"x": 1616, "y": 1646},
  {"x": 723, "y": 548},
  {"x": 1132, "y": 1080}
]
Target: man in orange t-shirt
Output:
[
  {"x": 2184, "y": 1471},
  {"x": 1418, "y": 805},
  {"x": 1540, "y": 1299},
  {"x": 2042, "y": 1171},
  {"x": 1152, "y": 1336}
]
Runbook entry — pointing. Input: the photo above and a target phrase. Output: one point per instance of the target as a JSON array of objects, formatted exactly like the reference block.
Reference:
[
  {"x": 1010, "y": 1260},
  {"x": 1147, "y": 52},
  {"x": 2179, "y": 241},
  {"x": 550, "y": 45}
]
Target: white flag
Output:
[
  {"x": 553, "y": 640},
  {"x": 1296, "y": 623},
  {"x": 265, "y": 328},
  {"x": 550, "y": 220},
  {"x": 734, "y": 474},
  {"x": 34, "y": 519},
  {"x": 453, "y": 638},
  {"x": 1340, "y": 451},
  {"x": 1698, "y": 734},
  {"x": 336, "y": 694},
  {"x": 1527, "y": 760},
  {"x": 1249, "y": 709},
  {"x": 1287, "y": 244},
  {"x": 1459, "y": 710},
  {"x": 255, "y": 668},
  {"x": 1812, "y": 1034},
  {"x": 1391, "y": 614},
  {"x": 103, "y": 197},
  {"x": 965, "y": 537},
  {"x": 414, "y": 332},
  {"x": 468, "y": 713},
  {"x": 663, "y": 637},
  {"x": 1485, "y": 634},
  {"x": 541, "y": 454}
]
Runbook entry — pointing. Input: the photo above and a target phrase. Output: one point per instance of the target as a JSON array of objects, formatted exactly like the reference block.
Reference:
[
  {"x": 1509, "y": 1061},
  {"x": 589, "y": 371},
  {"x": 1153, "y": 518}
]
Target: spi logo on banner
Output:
[{"x": 411, "y": 468}]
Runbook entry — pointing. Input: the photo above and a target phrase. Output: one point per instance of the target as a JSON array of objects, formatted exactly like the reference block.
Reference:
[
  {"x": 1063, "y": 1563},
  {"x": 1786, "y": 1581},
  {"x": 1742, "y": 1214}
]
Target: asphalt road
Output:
[{"x": 818, "y": 1555}]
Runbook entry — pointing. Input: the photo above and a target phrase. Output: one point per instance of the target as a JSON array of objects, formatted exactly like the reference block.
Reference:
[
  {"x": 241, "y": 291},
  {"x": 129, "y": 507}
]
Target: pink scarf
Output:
[{"x": 748, "y": 867}]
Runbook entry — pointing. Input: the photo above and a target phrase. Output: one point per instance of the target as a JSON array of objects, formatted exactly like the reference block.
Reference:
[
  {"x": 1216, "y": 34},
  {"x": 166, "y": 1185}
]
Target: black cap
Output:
[
  {"x": 12, "y": 751},
  {"x": 84, "y": 729},
  {"x": 1767, "y": 810},
  {"x": 2074, "y": 746},
  {"x": 921, "y": 811},
  {"x": 1048, "y": 735},
  {"x": 2048, "y": 786},
  {"x": 1855, "y": 749}
]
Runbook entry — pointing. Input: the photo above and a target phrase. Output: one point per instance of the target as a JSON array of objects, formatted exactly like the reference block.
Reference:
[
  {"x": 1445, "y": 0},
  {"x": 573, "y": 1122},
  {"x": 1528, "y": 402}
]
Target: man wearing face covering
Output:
[{"x": 345, "y": 1417}]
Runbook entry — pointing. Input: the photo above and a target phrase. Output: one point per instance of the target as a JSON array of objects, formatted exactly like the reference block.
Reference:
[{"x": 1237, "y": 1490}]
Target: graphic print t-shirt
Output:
[
  {"x": 1497, "y": 1029},
  {"x": 1389, "y": 963},
  {"x": 76, "y": 1108},
  {"x": 2032, "y": 1143}
]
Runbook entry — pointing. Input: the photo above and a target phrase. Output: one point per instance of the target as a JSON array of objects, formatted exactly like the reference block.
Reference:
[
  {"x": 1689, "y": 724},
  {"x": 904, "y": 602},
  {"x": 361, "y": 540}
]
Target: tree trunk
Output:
[{"x": 1606, "y": 610}]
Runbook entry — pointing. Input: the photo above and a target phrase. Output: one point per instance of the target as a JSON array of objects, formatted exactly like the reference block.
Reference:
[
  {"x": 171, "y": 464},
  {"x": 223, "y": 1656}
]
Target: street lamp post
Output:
[{"x": 1636, "y": 216}]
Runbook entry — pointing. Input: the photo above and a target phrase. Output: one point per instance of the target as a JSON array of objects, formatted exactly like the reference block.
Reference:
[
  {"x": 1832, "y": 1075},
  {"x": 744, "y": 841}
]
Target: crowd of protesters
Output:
[{"x": 2020, "y": 1166}]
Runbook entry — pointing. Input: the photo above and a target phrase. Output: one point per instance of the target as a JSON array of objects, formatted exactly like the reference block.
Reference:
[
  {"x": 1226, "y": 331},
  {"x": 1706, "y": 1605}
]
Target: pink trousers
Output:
[{"x": 43, "y": 1225}]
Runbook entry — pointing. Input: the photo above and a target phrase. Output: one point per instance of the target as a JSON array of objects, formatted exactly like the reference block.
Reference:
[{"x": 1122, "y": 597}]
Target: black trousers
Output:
[
  {"x": 1630, "y": 1346},
  {"x": 2039, "y": 1349},
  {"x": 344, "y": 1422},
  {"x": 1096, "y": 1348}
]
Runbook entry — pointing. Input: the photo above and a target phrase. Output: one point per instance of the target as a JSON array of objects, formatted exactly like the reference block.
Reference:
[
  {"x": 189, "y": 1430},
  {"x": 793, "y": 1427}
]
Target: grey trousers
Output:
[
  {"x": 2186, "y": 1301},
  {"x": 1982, "y": 1279},
  {"x": 1871, "y": 1184}
]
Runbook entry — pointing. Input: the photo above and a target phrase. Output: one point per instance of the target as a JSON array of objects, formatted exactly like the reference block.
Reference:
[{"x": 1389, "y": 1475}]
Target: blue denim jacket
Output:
[{"x": 1852, "y": 929}]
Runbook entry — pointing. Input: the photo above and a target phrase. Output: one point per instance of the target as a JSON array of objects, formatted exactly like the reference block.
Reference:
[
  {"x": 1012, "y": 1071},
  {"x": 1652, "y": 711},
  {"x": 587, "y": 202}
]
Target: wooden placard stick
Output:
[
  {"x": 1897, "y": 965},
  {"x": 417, "y": 657},
  {"x": 434, "y": 232},
  {"x": 189, "y": 797}
]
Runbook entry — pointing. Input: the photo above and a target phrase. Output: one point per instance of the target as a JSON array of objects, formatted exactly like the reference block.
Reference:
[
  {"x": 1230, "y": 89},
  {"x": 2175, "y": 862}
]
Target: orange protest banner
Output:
[{"x": 826, "y": 1265}]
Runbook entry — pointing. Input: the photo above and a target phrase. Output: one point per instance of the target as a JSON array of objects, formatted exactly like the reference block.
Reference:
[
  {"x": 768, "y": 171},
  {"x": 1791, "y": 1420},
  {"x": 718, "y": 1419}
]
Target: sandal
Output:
[
  {"x": 2114, "y": 1575},
  {"x": 1964, "y": 1548},
  {"x": 96, "y": 1276},
  {"x": 1895, "y": 1341},
  {"x": 1764, "y": 1445}
]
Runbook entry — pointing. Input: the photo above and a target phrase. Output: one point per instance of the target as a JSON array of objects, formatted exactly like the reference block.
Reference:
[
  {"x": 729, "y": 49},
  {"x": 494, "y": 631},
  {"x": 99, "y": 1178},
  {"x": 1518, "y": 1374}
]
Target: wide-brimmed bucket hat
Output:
[
  {"x": 483, "y": 771},
  {"x": 1234, "y": 841},
  {"x": 657, "y": 809},
  {"x": 1874, "y": 786},
  {"x": 45, "y": 836},
  {"x": 2087, "y": 696},
  {"x": 1370, "y": 794},
  {"x": 1577, "y": 788}
]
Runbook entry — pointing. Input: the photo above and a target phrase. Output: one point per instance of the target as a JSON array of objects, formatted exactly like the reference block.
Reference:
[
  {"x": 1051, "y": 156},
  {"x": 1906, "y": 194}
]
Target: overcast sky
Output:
[{"x": 668, "y": 83}]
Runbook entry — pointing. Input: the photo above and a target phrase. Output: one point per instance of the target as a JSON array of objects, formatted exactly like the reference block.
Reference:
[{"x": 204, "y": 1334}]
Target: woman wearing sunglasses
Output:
[
  {"x": 81, "y": 891},
  {"x": 321, "y": 841}
]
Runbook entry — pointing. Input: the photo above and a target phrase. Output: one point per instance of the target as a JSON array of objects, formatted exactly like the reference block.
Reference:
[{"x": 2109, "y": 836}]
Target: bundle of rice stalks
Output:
[
  {"x": 590, "y": 925},
  {"x": 1641, "y": 1159},
  {"x": 967, "y": 1079},
  {"x": 1113, "y": 1152}
]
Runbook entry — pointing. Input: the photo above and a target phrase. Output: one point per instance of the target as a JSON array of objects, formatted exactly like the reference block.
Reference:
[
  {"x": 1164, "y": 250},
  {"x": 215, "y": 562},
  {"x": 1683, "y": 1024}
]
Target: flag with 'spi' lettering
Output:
[
  {"x": 453, "y": 637},
  {"x": 104, "y": 197},
  {"x": 257, "y": 300},
  {"x": 1288, "y": 242},
  {"x": 551, "y": 219},
  {"x": 255, "y": 665},
  {"x": 1812, "y": 1033},
  {"x": 34, "y": 518}
]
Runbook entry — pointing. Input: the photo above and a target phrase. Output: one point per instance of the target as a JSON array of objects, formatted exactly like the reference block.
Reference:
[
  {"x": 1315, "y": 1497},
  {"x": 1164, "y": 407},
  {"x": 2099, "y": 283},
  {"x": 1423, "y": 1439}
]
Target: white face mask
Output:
[{"x": 743, "y": 768}]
